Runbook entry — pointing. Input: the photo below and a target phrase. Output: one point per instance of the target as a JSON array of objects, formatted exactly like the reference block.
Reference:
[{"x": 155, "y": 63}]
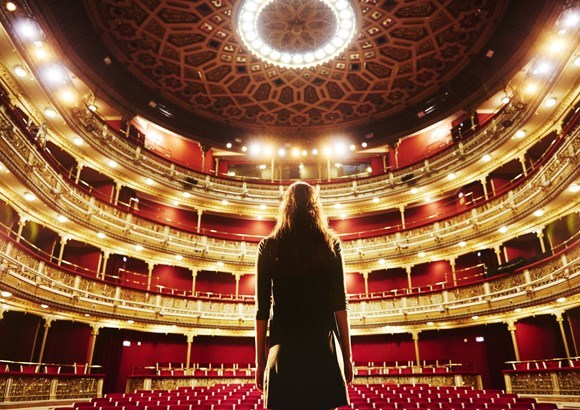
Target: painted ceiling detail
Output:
[{"x": 190, "y": 52}]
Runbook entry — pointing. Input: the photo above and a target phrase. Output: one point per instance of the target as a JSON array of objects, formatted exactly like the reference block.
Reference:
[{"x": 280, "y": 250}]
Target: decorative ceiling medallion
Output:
[{"x": 296, "y": 33}]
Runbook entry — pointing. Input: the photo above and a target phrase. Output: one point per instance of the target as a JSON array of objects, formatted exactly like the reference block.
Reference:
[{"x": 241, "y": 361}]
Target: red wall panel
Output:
[
  {"x": 526, "y": 246},
  {"x": 242, "y": 227},
  {"x": 215, "y": 282},
  {"x": 371, "y": 225},
  {"x": 172, "y": 277},
  {"x": 383, "y": 348},
  {"x": 18, "y": 332},
  {"x": 539, "y": 338},
  {"x": 222, "y": 349},
  {"x": 355, "y": 283},
  {"x": 559, "y": 232},
  {"x": 431, "y": 273},
  {"x": 573, "y": 316},
  {"x": 247, "y": 284},
  {"x": 82, "y": 255},
  {"x": 387, "y": 280},
  {"x": 67, "y": 342}
]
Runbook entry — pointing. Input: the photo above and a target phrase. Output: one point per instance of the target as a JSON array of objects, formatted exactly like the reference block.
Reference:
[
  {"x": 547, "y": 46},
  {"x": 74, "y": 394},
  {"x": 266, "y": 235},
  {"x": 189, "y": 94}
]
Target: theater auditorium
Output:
[{"x": 145, "y": 146}]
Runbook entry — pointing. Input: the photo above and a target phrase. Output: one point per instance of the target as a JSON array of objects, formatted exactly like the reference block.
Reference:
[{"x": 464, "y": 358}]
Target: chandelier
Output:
[{"x": 296, "y": 33}]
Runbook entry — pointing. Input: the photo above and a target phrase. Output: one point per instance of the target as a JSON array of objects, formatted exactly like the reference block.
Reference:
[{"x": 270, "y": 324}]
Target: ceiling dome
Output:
[{"x": 187, "y": 61}]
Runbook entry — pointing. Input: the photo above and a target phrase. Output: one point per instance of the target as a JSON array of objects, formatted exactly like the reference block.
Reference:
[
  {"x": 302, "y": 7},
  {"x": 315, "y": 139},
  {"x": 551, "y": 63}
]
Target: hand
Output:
[
  {"x": 260, "y": 368},
  {"x": 348, "y": 371}
]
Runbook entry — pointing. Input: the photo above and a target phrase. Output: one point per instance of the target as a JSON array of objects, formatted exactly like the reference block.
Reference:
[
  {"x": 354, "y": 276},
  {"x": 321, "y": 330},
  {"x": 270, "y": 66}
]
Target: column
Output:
[
  {"x": 190, "y": 337},
  {"x": 522, "y": 160},
  {"x": 21, "y": 224},
  {"x": 327, "y": 169},
  {"x": 512, "y": 329},
  {"x": 217, "y": 165},
  {"x": 104, "y": 264},
  {"x": 453, "y": 273},
  {"x": 92, "y": 341},
  {"x": 366, "y": 279},
  {"x": 402, "y": 211},
  {"x": 78, "y": 174},
  {"x": 505, "y": 254},
  {"x": 193, "y": 278},
  {"x": 416, "y": 344},
  {"x": 237, "y": 276},
  {"x": 116, "y": 191},
  {"x": 272, "y": 170},
  {"x": 540, "y": 235},
  {"x": 497, "y": 251},
  {"x": 42, "y": 345},
  {"x": 408, "y": 270},
  {"x": 199, "y": 214},
  {"x": 63, "y": 242},
  {"x": 484, "y": 183},
  {"x": 560, "y": 321},
  {"x": 150, "y": 267}
]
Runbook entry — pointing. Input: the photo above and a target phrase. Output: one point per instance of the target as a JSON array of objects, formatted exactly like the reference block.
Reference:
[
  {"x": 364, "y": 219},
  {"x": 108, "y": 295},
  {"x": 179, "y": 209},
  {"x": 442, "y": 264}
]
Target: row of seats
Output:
[{"x": 362, "y": 397}]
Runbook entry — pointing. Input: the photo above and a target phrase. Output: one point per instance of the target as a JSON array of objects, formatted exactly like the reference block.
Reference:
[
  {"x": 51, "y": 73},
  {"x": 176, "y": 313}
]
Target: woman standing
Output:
[{"x": 308, "y": 364}]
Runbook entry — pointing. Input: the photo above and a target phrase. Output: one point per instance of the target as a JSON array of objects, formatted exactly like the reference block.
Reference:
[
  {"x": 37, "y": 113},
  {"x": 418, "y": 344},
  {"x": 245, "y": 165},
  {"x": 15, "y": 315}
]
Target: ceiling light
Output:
[
  {"x": 352, "y": 147},
  {"x": 178, "y": 257},
  {"x": 112, "y": 164},
  {"x": 20, "y": 71},
  {"x": 421, "y": 254},
  {"x": 304, "y": 152},
  {"x": 50, "y": 112},
  {"x": 262, "y": 206},
  {"x": 220, "y": 264},
  {"x": 228, "y": 145},
  {"x": 314, "y": 151},
  {"x": 44, "y": 306},
  {"x": 93, "y": 107},
  {"x": 531, "y": 88},
  {"x": 28, "y": 30},
  {"x": 101, "y": 235},
  {"x": 338, "y": 165},
  {"x": 503, "y": 229},
  {"x": 10, "y": 6},
  {"x": 185, "y": 195},
  {"x": 430, "y": 323},
  {"x": 29, "y": 196},
  {"x": 505, "y": 100},
  {"x": 5, "y": 294},
  {"x": 149, "y": 181},
  {"x": 231, "y": 174},
  {"x": 475, "y": 317},
  {"x": 78, "y": 141},
  {"x": 255, "y": 149},
  {"x": 427, "y": 199},
  {"x": 364, "y": 144},
  {"x": 248, "y": 14},
  {"x": 138, "y": 248},
  {"x": 126, "y": 343},
  {"x": 574, "y": 187},
  {"x": 55, "y": 74},
  {"x": 295, "y": 152},
  {"x": 342, "y": 216},
  {"x": 244, "y": 148},
  {"x": 538, "y": 213},
  {"x": 268, "y": 151},
  {"x": 225, "y": 202},
  {"x": 87, "y": 315},
  {"x": 376, "y": 200},
  {"x": 369, "y": 169},
  {"x": 451, "y": 176},
  {"x": 62, "y": 218},
  {"x": 517, "y": 310},
  {"x": 414, "y": 190},
  {"x": 281, "y": 152},
  {"x": 520, "y": 134},
  {"x": 577, "y": 61},
  {"x": 130, "y": 321},
  {"x": 561, "y": 300},
  {"x": 381, "y": 261},
  {"x": 550, "y": 102},
  {"x": 262, "y": 166},
  {"x": 486, "y": 158},
  {"x": 462, "y": 244},
  {"x": 337, "y": 205}
]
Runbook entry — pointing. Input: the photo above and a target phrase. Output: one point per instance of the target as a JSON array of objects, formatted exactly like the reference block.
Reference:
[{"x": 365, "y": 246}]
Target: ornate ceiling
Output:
[{"x": 188, "y": 54}]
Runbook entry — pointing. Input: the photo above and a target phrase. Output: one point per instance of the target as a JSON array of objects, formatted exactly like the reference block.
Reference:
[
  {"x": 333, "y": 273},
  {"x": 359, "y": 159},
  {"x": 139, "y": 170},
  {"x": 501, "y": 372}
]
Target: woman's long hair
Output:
[{"x": 301, "y": 215}]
